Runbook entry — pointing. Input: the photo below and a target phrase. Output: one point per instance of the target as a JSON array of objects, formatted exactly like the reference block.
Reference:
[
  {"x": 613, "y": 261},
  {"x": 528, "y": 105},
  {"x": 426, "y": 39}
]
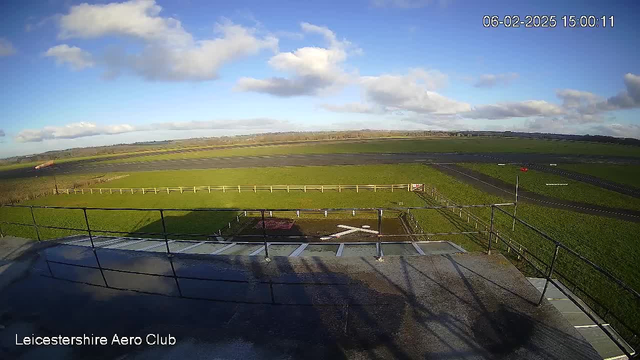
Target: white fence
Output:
[{"x": 244, "y": 188}]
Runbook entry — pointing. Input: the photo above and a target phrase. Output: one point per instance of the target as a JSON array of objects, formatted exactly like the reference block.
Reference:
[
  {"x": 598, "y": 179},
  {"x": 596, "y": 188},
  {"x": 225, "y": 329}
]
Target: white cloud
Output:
[
  {"x": 618, "y": 130},
  {"x": 136, "y": 18},
  {"x": 84, "y": 129},
  {"x": 576, "y": 98},
  {"x": 77, "y": 58},
  {"x": 354, "y": 108},
  {"x": 626, "y": 99},
  {"x": 169, "y": 53},
  {"x": 411, "y": 92},
  {"x": 530, "y": 108},
  {"x": 492, "y": 80},
  {"x": 313, "y": 69},
  {"x": 6, "y": 47}
]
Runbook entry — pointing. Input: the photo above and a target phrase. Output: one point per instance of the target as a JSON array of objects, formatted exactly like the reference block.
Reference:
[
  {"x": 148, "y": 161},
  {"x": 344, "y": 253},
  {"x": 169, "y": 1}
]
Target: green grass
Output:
[
  {"x": 622, "y": 174},
  {"x": 535, "y": 181},
  {"x": 609, "y": 242},
  {"x": 506, "y": 145}
]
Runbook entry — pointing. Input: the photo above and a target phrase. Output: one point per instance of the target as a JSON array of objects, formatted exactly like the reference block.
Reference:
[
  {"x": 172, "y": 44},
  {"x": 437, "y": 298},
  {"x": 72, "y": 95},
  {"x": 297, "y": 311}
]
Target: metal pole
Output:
[
  {"x": 491, "y": 229},
  {"x": 86, "y": 220},
  {"x": 35, "y": 224},
  {"x": 379, "y": 244},
  {"x": 264, "y": 236},
  {"x": 546, "y": 283},
  {"x": 164, "y": 232},
  {"x": 515, "y": 207}
]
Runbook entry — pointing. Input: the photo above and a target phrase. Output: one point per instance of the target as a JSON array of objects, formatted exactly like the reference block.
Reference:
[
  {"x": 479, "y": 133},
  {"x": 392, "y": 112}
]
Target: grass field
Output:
[
  {"x": 610, "y": 243},
  {"x": 535, "y": 181},
  {"x": 622, "y": 174},
  {"x": 400, "y": 146}
]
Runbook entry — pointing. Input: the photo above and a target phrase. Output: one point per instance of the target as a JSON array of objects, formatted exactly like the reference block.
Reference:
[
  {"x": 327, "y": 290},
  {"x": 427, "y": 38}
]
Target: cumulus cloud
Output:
[
  {"x": 493, "y": 80},
  {"x": 354, "y": 108},
  {"x": 6, "y": 47},
  {"x": 618, "y": 130},
  {"x": 169, "y": 52},
  {"x": 576, "y": 98},
  {"x": 312, "y": 69},
  {"x": 84, "y": 129},
  {"x": 77, "y": 58},
  {"x": 411, "y": 92},
  {"x": 626, "y": 99},
  {"x": 530, "y": 108}
]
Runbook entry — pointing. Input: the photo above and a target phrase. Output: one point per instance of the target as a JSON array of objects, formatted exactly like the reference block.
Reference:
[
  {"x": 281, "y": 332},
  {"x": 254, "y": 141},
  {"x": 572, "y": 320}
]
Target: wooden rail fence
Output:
[{"x": 243, "y": 188}]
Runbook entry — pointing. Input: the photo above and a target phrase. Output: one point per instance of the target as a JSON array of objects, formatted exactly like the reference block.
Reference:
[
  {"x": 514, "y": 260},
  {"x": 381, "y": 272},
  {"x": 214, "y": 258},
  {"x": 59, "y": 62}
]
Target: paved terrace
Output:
[{"x": 466, "y": 305}]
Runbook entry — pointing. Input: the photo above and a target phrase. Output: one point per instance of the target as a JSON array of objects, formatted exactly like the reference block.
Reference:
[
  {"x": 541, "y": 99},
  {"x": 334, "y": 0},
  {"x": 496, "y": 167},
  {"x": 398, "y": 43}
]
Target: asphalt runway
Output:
[
  {"x": 500, "y": 188},
  {"x": 94, "y": 166}
]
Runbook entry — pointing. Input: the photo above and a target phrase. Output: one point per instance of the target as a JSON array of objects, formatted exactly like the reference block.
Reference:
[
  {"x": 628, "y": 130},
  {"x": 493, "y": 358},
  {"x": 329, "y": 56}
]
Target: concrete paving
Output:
[{"x": 468, "y": 305}]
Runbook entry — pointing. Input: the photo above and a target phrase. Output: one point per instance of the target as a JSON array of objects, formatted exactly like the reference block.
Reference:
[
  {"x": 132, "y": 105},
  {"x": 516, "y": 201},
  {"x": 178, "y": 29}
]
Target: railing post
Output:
[
  {"x": 264, "y": 237},
  {"x": 491, "y": 229},
  {"x": 86, "y": 220},
  {"x": 546, "y": 283},
  {"x": 35, "y": 224},
  {"x": 164, "y": 231},
  {"x": 379, "y": 243}
]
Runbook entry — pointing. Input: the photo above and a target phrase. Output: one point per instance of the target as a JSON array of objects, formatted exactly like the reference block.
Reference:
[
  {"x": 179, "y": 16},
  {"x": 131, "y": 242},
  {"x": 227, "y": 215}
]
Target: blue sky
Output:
[{"x": 85, "y": 74}]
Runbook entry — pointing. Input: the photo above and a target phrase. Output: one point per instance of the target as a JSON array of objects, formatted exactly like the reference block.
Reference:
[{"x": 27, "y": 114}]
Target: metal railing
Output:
[
  {"x": 242, "y": 188},
  {"x": 545, "y": 269},
  {"x": 549, "y": 270}
]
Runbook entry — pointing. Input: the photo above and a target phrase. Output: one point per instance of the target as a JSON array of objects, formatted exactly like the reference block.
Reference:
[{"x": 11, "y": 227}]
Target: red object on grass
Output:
[{"x": 524, "y": 169}]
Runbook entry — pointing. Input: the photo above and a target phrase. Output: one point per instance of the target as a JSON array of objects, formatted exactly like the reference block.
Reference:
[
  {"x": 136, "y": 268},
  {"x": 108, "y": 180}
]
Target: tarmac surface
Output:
[
  {"x": 94, "y": 166},
  {"x": 503, "y": 189},
  {"x": 472, "y": 306}
]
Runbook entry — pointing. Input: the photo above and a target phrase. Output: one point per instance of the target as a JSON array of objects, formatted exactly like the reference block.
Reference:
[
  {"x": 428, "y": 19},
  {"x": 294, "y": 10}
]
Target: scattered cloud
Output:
[
  {"x": 77, "y": 58},
  {"x": 6, "y": 48},
  {"x": 169, "y": 52},
  {"x": 618, "y": 130},
  {"x": 313, "y": 69},
  {"x": 2, "y": 134},
  {"x": 493, "y": 80},
  {"x": 530, "y": 108},
  {"x": 354, "y": 108},
  {"x": 576, "y": 98},
  {"x": 84, "y": 129},
  {"x": 412, "y": 92},
  {"x": 626, "y": 99}
]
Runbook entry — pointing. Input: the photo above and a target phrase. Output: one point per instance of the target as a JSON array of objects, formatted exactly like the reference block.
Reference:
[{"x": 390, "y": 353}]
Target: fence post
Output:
[
  {"x": 491, "y": 229},
  {"x": 224, "y": 189},
  {"x": 155, "y": 190},
  {"x": 86, "y": 220},
  {"x": 239, "y": 189},
  {"x": 164, "y": 231},
  {"x": 209, "y": 188},
  {"x": 321, "y": 188},
  {"x": 180, "y": 189},
  {"x": 515, "y": 207},
  {"x": 132, "y": 190},
  {"x": 339, "y": 188},
  {"x": 271, "y": 188},
  {"x": 194, "y": 189},
  {"x": 391, "y": 187},
  {"x": 167, "y": 189},
  {"x": 287, "y": 188},
  {"x": 546, "y": 283},
  {"x": 305, "y": 188},
  {"x": 357, "y": 188},
  {"x": 35, "y": 224},
  {"x": 142, "y": 191},
  {"x": 379, "y": 244},
  {"x": 264, "y": 237},
  {"x": 375, "y": 188}
]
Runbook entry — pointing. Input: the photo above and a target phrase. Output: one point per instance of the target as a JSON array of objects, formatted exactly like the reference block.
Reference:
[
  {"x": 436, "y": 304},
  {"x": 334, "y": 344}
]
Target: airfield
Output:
[{"x": 361, "y": 212}]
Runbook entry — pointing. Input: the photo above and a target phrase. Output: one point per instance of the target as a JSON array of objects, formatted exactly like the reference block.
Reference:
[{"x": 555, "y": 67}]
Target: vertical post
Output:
[
  {"x": 375, "y": 188},
  {"x": 238, "y": 188},
  {"x": 142, "y": 191},
  {"x": 180, "y": 189},
  {"x": 379, "y": 244},
  {"x": 515, "y": 207},
  {"x": 287, "y": 188},
  {"x": 321, "y": 188},
  {"x": 357, "y": 188},
  {"x": 546, "y": 283},
  {"x": 164, "y": 231},
  {"x": 100, "y": 191},
  {"x": 224, "y": 189},
  {"x": 491, "y": 229},
  {"x": 194, "y": 189},
  {"x": 264, "y": 236},
  {"x": 86, "y": 220},
  {"x": 271, "y": 188},
  {"x": 82, "y": 191},
  {"x": 35, "y": 224},
  {"x": 155, "y": 190},
  {"x": 167, "y": 189},
  {"x": 255, "y": 189},
  {"x": 91, "y": 190},
  {"x": 305, "y": 188},
  {"x": 209, "y": 188},
  {"x": 339, "y": 188}
]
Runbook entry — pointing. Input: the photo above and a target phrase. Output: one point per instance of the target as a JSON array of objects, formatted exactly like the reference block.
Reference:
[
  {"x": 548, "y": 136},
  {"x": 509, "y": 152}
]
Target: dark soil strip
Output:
[{"x": 505, "y": 190}]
